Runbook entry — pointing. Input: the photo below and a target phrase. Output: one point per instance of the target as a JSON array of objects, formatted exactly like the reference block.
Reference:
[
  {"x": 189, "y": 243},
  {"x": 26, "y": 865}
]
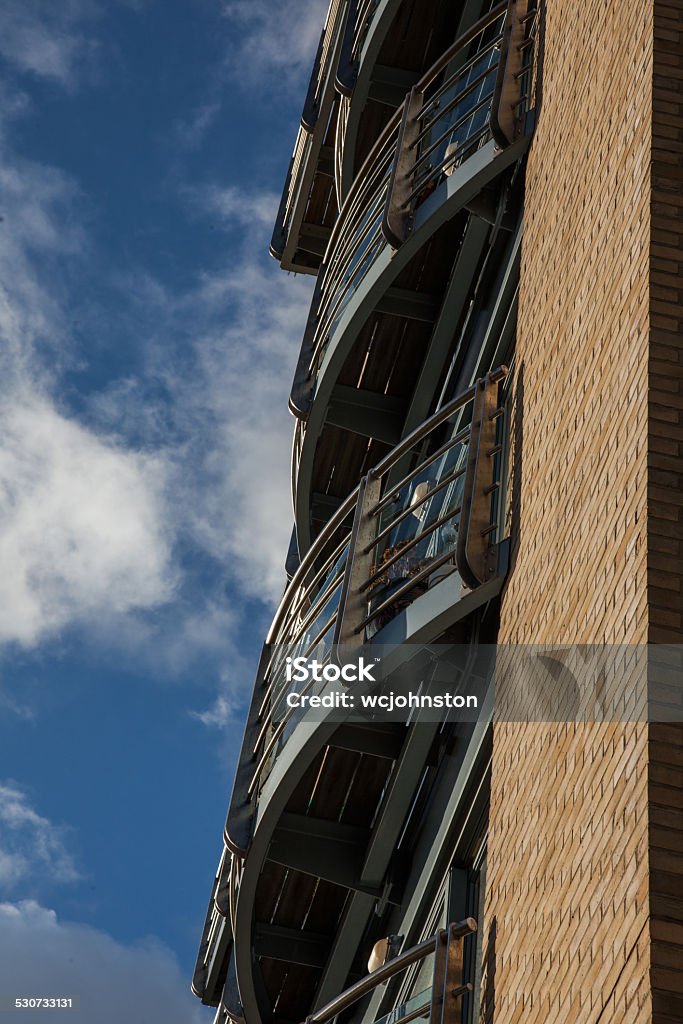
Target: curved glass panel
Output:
[
  {"x": 409, "y": 542},
  {"x": 452, "y": 123}
]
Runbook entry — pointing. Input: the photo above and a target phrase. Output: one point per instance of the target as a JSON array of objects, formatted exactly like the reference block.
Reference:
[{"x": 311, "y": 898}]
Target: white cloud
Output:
[
  {"x": 30, "y": 845},
  {"x": 83, "y": 527},
  {"x": 239, "y": 330},
  {"x": 233, "y": 206},
  {"x": 112, "y": 981},
  {"x": 277, "y": 42},
  {"x": 91, "y": 521},
  {"x": 244, "y": 373},
  {"x": 82, "y": 523},
  {"x": 45, "y": 39},
  {"x": 218, "y": 715}
]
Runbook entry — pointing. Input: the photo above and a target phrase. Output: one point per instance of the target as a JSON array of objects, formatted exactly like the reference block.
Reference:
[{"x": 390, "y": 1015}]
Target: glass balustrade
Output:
[
  {"x": 414, "y": 529},
  {"x": 451, "y": 122}
]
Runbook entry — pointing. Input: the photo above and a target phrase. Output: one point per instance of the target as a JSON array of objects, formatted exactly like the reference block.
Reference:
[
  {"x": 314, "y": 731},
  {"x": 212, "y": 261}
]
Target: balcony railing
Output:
[
  {"x": 440, "y": 1003},
  {"x": 323, "y": 58},
  {"x": 434, "y": 506},
  {"x": 219, "y": 925},
  {"x": 480, "y": 90},
  {"x": 309, "y": 187},
  {"x": 431, "y": 506},
  {"x": 359, "y": 17}
]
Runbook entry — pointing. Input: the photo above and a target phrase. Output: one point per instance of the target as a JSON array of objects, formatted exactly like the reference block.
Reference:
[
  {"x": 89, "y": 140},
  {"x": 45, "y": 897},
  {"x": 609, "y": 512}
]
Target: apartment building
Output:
[{"x": 488, "y": 453}]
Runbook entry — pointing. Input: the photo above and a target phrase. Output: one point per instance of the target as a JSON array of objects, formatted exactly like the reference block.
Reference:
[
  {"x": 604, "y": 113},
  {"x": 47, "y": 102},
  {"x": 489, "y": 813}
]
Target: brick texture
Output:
[
  {"x": 665, "y": 505},
  {"x": 567, "y": 922}
]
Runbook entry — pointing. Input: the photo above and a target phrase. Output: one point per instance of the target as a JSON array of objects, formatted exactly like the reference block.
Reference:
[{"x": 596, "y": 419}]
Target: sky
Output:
[{"x": 147, "y": 347}]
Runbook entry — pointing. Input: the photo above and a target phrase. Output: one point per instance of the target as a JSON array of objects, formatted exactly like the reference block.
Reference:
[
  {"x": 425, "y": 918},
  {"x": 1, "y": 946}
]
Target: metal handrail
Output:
[
  {"x": 346, "y": 240},
  {"x": 393, "y": 491},
  {"x": 308, "y": 127},
  {"x": 363, "y": 21},
  {"x": 358, "y": 203},
  {"x": 449, "y": 159},
  {"x": 461, "y": 69},
  {"x": 309, "y": 559},
  {"x": 409, "y": 585},
  {"x": 451, "y": 128},
  {"x": 387, "y": 971},
  {"x": 383, "y": 466},
  {"x": 310, "y": 582},
  {"x": 410, "y": 510}
]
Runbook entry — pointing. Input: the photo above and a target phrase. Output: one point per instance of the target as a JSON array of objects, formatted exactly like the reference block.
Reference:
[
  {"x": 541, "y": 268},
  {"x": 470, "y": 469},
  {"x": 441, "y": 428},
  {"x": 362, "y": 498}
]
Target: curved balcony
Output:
[
  {"x": 308, "y": 207},
  {"x": 317, "y": 806},
  {"x": 210, "y": 971},
  {"x": 387, "y": 46},
  {"x": 403, "y": 227}
]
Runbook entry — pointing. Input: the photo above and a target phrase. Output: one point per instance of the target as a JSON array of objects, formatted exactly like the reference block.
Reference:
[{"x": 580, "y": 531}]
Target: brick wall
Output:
[
  {"x": 567, "y": 913},
  {"x": 665, "y": 504}
]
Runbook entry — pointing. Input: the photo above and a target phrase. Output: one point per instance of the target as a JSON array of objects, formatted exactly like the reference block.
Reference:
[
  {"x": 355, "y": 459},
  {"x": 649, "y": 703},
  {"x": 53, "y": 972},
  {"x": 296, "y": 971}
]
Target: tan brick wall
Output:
[{"x": 567, "y": 914}]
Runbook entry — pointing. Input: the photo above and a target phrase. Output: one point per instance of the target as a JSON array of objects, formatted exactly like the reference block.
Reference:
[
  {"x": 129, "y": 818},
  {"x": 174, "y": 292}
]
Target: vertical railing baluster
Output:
[
  {"x": 398, "y": 214},
  {"x": 476, "y": 552},
  {"x": 506, "y": 111},
  {"x": 353, "y": 600}
]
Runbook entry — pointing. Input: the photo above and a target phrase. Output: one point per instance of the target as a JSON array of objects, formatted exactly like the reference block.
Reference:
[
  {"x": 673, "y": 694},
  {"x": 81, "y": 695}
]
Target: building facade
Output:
[{"x": 488, "y": 450}]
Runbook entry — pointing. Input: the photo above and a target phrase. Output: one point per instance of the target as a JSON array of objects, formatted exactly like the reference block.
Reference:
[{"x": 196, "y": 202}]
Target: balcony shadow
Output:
[
  {"x": 517, "y": 446},
  {"x": 540, "y": 55},
  {"x": 488, "y": 996}
]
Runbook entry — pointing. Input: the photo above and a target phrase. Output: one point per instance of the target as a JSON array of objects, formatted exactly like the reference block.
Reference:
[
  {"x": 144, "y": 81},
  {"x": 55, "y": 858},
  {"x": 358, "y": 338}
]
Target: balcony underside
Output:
[
  {"x": 300, "y": 244},
  {"x": 394, "y": 361},
  {"x": 308, "y": 207},
  {"x": 323, "y": 811},
  {"x": 328, "y": 821}
]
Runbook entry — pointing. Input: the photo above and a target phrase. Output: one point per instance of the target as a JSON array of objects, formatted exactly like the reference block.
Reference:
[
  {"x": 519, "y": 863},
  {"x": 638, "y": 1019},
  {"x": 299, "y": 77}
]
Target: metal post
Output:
[
  {"x": 506, "y": 112},
  {"x": 476, "y": 551},
  {"x": 352, "y": 600},
  {"x": 397, "y": 218}
]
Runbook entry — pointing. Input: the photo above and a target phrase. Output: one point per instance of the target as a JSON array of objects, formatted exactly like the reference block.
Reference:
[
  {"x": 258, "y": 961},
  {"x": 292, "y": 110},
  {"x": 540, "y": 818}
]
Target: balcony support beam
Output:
[
  {"x": 325, "y": 849},
  {"x": 353, "y": 923},
  {"x": 290, "y": 945},
  {"x": 411, "y": 305},
  {"x": 389, "y": 86},
  {"x": 368, "y": 413},
  {"x": 454, "y": 302},
  {"x": 380, "y": 741},
  {"x": 403, "y": 785},
  {"x": 313, "y": 238}
]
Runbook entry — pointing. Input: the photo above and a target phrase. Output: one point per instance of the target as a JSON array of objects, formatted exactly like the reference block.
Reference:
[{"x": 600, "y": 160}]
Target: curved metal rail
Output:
[
  {"x": 447, "y": 987},
  {"x": 413, "y": 531},
  {"x": 446, "y": 118}
]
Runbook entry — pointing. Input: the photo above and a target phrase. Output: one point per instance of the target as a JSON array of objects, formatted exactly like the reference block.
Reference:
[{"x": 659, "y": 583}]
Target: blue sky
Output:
[{"x": 147, "y": 347}]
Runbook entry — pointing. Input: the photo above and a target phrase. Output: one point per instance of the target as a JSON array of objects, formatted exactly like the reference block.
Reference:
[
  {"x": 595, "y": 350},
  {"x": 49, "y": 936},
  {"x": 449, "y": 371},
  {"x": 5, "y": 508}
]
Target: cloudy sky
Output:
[{"x": 147, "y": 347}]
